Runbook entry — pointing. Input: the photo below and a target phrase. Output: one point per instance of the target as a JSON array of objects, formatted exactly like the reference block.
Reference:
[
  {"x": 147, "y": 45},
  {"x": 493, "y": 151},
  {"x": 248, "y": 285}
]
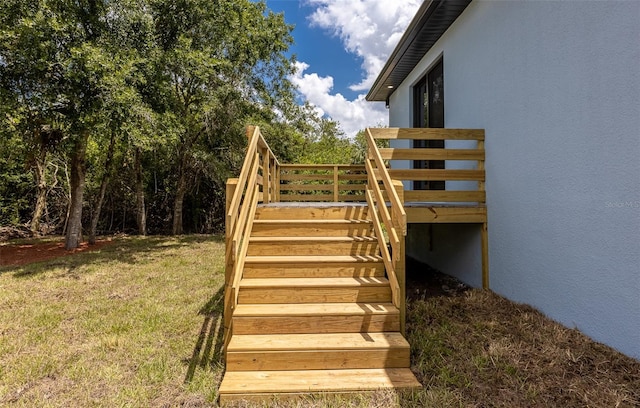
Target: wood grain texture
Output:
[
  {"x": 316, "y": 381},
  {"x": 427, "y": 133},
  {"x": 317, "y": 351},
  {"x": 445, "y": 196},
  {"x": 316, "y": 318},
  {"x": 318, "y": 228},
  {"x": 432, "y": 154},
  {"x": 313, "y": 246},
  {"x": 346, "y": 212},
  {"x": 433, "y": 174},
  {"x": 314, "y": 290},
  {"x": 317, "y": 342},
  {"x": 438, "y": 215}
]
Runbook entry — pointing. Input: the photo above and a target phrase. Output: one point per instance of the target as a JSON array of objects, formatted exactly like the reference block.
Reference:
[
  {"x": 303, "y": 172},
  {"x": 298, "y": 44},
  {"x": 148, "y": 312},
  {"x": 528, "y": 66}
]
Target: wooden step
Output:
[
  {"x": 317, "y": 351},
  {"x": 260, "y": 385},
  {"x": 313, "y": 228},
  {"x": 313, "y": 267},
  {"x": 314, "y": 290},
  {"x": 315, "y": 318},
  {"x": 313, "y": 246},
  {"x": 312, "y": 212}
]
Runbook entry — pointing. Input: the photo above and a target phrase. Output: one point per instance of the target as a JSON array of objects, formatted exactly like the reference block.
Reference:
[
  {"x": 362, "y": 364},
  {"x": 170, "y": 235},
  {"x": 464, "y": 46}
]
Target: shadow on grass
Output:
[
  {"x": 208, "y": 348},
  {"x": 129, "y": 250}
]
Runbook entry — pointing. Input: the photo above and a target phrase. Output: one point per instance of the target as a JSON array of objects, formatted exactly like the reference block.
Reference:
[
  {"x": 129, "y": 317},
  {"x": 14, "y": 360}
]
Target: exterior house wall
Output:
[{"x": 556, "y": 86}]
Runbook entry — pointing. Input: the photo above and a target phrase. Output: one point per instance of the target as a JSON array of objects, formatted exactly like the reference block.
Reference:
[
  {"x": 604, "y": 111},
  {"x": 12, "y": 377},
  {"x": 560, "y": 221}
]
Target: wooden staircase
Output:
[{"x": 314, "y": 307}]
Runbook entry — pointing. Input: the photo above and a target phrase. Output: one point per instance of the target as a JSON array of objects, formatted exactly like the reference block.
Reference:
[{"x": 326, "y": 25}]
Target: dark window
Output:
[{"x": 428, "y": 111}]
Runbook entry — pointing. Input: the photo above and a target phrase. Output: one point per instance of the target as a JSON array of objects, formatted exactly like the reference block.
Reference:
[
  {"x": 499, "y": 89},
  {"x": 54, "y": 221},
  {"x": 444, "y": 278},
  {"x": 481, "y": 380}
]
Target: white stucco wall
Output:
[{"x": 556, "y": 86}]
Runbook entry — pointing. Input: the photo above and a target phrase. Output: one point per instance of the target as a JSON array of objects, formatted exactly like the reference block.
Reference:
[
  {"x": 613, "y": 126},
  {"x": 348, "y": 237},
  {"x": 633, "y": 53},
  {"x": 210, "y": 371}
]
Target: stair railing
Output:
[
  {"x": 393, "y": 218},
  {"x": 257, "y": 183}
]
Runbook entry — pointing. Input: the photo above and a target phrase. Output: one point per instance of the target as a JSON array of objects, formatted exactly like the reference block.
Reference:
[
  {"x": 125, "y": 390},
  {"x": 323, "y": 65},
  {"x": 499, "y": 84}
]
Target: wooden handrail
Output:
[
  {"x": 243, "y": 195},
  {"x": 386, "y": 257},
  {"x": 397, "y": 208},
  {"x": 394, "y": 221}
]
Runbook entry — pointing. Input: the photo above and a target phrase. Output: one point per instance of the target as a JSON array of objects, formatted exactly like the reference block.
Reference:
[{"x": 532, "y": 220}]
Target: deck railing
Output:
[
  {"x": 380, "y": 190},
  {"x": 470, "y": 148},
  {"x": 257, "y": 183},
  {"x": 464, "y": 199},
  {"x": 322, "y": 182}
]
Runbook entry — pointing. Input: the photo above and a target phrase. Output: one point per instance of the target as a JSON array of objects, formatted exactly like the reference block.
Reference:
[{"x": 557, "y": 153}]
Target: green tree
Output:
[
  {"x": 328, "y": 144},
  {"x": 218, "y": 63},
  {"x": 63, "y": 62}
]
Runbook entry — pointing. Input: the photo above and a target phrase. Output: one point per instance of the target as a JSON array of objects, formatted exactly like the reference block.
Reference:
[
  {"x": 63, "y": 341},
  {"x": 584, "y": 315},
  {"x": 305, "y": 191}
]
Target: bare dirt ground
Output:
[{"x": 16, "y": 254}]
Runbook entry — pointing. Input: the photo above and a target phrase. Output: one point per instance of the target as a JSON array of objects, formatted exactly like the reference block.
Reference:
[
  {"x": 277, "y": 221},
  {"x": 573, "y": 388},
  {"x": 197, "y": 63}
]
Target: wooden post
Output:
[
  {"x": 249, "y": 131},
  {"x": 401, "y": 273},
  {"x": 484, "y": 236},
  {"x": 272, "y": 178},
  {"x": 335, "y": 184},
  {"x": 401, "y": 264},
  {"x": 277, "y": 172},
  {"x": 266, "y": 173},
  {"x": 232, "y": 185}
]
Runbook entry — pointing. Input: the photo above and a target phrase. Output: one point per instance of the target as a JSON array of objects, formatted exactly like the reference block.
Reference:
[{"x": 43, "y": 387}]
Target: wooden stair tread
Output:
[
  {"x": 313, "y": 282},
  {"x": 317, "y": 342},
  {"x": 305, "y": 259},
  {"x": 315, "y": 309},
  {"x": 312, "y": 212},
  {"x": 314, "y": 318},
  {"x": 304, "y": 381},
  {"x": 315, "y": 221},
  {"x": 314, "y": 239}
]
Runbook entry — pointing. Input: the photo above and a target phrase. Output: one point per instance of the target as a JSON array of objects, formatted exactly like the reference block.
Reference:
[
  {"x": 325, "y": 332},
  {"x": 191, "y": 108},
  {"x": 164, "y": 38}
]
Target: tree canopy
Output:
[{"x": 128, "y": 115}]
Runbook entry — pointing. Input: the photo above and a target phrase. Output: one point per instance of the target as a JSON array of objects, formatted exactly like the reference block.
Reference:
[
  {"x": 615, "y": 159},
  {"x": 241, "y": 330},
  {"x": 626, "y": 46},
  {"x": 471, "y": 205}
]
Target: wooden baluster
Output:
[
  {"x": 335, "y": 184},
  {"x": 266, "y": 173},
  {"x": 276, "y": 180}
]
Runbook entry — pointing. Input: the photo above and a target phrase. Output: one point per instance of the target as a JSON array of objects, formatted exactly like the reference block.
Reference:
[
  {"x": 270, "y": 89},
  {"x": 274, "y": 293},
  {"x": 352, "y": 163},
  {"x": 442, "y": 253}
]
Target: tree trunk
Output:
[
  {"x": 103, "y": 190},
  {"x": 181, "y": 186},
  {"x": 179, "y": 201},
  {"x": 78, "y": 168},
  {"x": 141, "y": 215},
  {"x": 41, "y": 189}
]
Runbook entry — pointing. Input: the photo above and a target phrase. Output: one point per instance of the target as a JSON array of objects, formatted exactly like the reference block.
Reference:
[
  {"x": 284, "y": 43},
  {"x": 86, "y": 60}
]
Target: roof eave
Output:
[{"x": 432, "y": 19}]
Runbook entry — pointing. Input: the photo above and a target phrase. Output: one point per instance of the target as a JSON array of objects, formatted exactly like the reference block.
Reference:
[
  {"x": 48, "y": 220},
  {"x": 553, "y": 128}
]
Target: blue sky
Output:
[
  {"x": 324, "y": 52},
  {"x": 341, "y": 46}
]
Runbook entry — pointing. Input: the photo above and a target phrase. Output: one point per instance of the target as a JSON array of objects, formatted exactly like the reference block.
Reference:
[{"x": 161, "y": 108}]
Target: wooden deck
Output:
[
  {"x": 443, "y": 206},
  {"x": 314, "y": 297}
]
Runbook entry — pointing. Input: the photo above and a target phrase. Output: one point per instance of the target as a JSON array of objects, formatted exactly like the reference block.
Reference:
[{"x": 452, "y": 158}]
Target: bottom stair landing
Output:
[
  {"x": 262, "y": 385},
  {"x": 315, "y": 312}
]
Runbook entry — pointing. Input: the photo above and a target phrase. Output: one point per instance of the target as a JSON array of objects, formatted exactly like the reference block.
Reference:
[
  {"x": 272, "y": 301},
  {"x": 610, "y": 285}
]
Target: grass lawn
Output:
[
  {"x": 116, "y": 327},
  {"x": 136, "y": 324}
]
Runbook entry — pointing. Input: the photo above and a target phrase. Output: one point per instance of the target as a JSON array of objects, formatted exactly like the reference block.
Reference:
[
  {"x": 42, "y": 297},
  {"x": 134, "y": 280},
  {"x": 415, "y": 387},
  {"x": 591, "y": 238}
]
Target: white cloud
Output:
[
  {"x": 369, "y": 29},
  {"x": 352, "y": 115}
]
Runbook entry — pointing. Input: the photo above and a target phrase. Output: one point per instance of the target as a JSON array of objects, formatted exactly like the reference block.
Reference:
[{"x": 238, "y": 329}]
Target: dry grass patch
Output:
[{"x": 489, "y": 351}]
